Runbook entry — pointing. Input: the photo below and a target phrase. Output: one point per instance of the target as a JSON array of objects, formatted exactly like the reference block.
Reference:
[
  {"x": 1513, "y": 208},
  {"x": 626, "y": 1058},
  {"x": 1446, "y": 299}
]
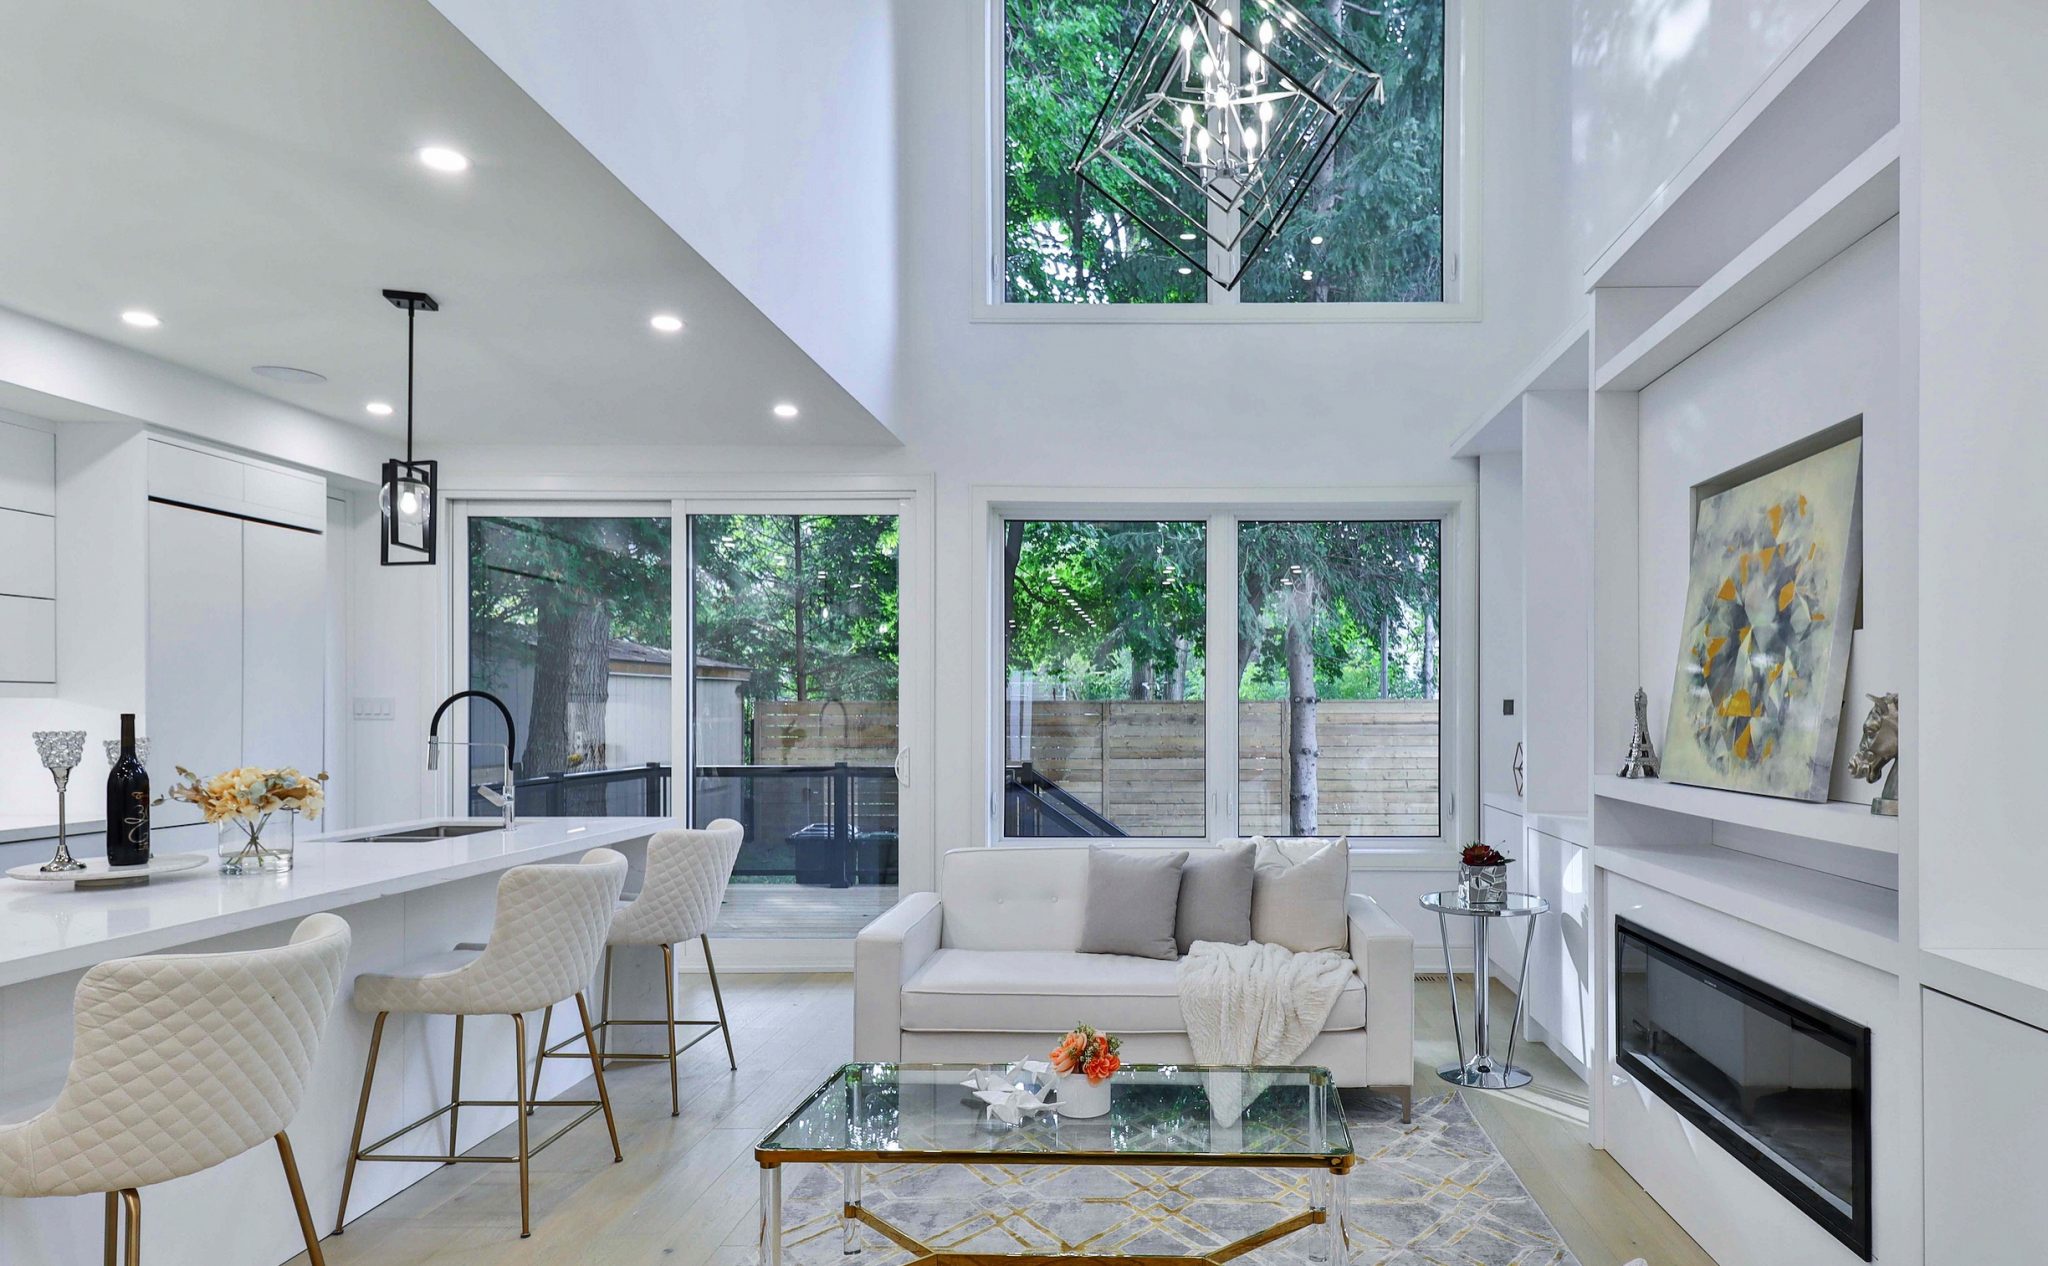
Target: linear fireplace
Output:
[{"x": 1780, "y": 1084}]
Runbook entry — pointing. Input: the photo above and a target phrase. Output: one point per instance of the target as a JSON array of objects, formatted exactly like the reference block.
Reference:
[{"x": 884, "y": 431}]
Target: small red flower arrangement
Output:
[
  {"x": 1483, "y": 855},
  {"x": 1088, "y": 1052}
]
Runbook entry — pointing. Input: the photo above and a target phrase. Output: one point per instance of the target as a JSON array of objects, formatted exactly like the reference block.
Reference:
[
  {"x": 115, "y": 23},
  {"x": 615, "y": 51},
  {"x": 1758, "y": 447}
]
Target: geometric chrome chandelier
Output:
[
  {"x": 406, "y": 493},
  {"x": 1219, "y": 119}
]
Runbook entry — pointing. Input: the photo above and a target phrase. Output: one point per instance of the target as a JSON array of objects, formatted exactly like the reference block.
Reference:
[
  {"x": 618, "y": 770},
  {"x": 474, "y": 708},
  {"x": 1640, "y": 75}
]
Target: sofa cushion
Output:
[
  {"x": 1050, "y": 991},
  {"x": 1132, "y": 896},
  {"x": 1298, "y": 893},
  {"x": 1215, "y": 897}
]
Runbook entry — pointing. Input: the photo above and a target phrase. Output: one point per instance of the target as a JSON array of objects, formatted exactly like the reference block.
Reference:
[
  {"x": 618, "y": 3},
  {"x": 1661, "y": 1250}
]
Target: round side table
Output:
[{"x": 1480, "y": 1071}]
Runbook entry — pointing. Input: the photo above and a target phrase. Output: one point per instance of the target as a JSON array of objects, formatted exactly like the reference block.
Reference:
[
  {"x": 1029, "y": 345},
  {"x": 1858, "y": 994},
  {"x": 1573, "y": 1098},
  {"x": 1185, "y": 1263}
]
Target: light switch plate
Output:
[{"x": 375, "y": 707}]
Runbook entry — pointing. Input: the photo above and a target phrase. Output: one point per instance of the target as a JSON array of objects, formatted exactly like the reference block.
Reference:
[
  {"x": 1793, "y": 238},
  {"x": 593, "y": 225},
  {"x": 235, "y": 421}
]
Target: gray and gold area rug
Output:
[{"x": 1433, "y": 1193}]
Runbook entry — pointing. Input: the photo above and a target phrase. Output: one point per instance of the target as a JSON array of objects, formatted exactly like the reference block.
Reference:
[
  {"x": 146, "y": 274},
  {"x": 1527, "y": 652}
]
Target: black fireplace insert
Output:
[{"x": 1782, "y": 1085}]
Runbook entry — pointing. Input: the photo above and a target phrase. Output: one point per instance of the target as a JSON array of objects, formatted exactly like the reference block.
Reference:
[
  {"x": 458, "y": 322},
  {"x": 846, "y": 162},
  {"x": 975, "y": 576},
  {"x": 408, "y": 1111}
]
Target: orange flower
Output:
[{"x": 1102, "y": 1066}]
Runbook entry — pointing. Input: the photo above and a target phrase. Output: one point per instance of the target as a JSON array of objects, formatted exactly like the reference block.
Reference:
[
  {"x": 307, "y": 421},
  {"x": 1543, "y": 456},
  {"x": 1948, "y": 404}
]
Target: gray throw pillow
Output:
[
  {"x": 1298, "y": 893},
  {"x": 1215, "y": 897},
  {"x": 1132, "y": 898}
]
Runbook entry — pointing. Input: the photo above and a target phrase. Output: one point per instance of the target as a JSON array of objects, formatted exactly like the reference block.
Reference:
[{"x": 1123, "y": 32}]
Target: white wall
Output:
[
  {"x": 1652, "y": 80},
  {"x": 1557, "y": 496},
  {"x": 763, "y": 133},
  {"x": 1824, "y": 351},
  {"x": 1500, "y": 618}
]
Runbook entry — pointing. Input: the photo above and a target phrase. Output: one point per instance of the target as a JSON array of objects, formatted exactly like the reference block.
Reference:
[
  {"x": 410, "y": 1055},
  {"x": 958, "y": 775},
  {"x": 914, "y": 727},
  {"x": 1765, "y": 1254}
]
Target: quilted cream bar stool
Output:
[
  {"x": 687, "y": 871},
  {"x": 180, "y": 1062},
  {"x": 545, "y": 938}
]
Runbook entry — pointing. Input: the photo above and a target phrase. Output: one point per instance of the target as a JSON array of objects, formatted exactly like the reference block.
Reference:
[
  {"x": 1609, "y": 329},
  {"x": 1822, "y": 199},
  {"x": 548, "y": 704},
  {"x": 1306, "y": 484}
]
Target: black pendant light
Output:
[{"x": 406, "y": 498}]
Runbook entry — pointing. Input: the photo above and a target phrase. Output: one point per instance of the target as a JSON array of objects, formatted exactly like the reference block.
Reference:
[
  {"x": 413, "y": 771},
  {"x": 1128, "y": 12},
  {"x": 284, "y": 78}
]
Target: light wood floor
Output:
[{"x": 686, "y": 1193}]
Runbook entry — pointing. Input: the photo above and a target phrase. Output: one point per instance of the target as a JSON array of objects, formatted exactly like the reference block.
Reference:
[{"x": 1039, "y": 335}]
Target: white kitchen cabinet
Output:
[
  {"x": 1560, "y": 983},
  {"x": 28, "y": 469},
  {"x": 194, "y": 715},
  {"x": 284, "y": 642},
  {"x": 28, "y": 554},
  {"x": 1983, "y": 1135},
  {"x": 28, "y": 642},
  {"x": 237, "y": 638}
]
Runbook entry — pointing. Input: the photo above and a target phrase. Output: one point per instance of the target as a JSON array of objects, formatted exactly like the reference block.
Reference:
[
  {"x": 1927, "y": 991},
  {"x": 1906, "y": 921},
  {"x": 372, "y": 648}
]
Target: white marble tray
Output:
[{"x": 97, "y": 874}]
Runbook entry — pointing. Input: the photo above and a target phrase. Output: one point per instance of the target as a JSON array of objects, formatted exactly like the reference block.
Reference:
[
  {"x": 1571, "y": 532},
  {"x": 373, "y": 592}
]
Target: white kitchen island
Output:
[{"x": 403, "y": 900}]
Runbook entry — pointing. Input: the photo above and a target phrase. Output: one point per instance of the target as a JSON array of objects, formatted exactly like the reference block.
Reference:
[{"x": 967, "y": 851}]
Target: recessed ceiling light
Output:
[
  {"x": 1187, "y": 237},
  {"x": 377, "y": 409},
  {"x": 1317, "y": 240},
  {"x": 1308, "y": 274},
  {"x": 141, "y": 320},
  {"x": 1185, "y": 271},
  {"x": 666, "y": 322},
  {"x": 287, "y": 373},
  {"x": 441, "y": 158},
  {"x": 785, "y": 410}
]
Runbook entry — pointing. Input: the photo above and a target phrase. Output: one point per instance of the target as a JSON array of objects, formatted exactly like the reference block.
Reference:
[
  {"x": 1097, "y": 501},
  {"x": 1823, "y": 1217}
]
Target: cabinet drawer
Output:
[
  {"x": 28, "y": 640},
  {"x": 299, "y": 500},
  {"x": 28, "y": 555}
]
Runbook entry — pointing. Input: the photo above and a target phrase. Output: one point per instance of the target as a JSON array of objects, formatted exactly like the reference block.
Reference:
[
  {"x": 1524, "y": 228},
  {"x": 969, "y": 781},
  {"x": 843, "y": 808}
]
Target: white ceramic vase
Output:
[{"x": 1081, "y": 1098}]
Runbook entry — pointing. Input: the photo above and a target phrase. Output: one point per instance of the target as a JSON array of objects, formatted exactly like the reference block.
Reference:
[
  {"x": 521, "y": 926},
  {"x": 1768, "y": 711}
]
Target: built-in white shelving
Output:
[
  {"x": 1849, "y": 825},
  {"x": 1856, "y": 920},
  {"x": 1856, "y": 200}
]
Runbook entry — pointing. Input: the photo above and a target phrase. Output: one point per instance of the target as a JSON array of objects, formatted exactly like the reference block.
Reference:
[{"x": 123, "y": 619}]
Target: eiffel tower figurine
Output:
[{"x": 1641, "y": 761}]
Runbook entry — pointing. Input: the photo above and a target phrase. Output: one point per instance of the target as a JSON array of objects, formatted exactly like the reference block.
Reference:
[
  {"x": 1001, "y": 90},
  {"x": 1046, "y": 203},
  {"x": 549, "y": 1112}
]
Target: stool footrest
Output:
[
  {"x": 591, "y": 1108},
  {"x": 560, "y": 1049}
]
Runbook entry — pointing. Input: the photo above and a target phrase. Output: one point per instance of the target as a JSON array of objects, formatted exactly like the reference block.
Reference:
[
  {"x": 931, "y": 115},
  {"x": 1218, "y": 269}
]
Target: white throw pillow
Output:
[{"x": 1298, "y": 893}]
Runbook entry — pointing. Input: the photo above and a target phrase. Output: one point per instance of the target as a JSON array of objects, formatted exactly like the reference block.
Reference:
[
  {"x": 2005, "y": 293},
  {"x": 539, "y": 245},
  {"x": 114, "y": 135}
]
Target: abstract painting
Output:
[{"x": 1763, "y": 658}]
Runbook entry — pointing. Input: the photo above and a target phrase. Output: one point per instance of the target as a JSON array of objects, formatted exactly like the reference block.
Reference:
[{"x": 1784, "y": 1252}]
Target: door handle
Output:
[{"x": 902, "y": 765}]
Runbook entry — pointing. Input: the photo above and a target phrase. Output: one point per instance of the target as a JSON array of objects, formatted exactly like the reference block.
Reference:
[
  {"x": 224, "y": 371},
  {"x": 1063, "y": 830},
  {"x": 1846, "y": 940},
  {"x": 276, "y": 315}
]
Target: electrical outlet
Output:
[
  {"x": 375, "y": 708},
  {"x": 1507, "y": 707}
]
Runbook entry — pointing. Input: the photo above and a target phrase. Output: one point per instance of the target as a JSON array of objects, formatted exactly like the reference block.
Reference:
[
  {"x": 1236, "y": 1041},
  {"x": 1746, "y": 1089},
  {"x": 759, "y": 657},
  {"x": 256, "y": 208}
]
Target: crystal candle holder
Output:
[{"x": 60, "y": 751}]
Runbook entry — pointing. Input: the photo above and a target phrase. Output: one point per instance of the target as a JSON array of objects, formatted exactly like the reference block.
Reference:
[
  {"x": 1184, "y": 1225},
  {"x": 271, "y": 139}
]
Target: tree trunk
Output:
[
  {"x": 1386, "y": 631},
  {"x": 1301, "y": 708},
  {"x": 547, "y": 716},
  {"x": 589, "y": 684},
  {"x": 802, "y": 590},
  {"x": 1428, "y": 655},
  {"x": 1143, "y": 684}
]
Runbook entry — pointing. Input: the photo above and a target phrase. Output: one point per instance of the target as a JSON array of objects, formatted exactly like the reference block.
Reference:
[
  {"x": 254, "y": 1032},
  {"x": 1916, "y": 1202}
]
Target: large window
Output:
[
  {"x": 795, "y": 727},
  {"x": 1103, "y": 720},
  {"x": 569, "y": 624},
  {"x": 1327, "y": 724},
  {"x": 1371, "y": 230}
]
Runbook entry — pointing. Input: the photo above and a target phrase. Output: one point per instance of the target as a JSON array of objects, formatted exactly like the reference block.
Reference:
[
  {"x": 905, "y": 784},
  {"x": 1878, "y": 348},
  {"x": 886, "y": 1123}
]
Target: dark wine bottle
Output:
[{"x": 128, "y": 803}]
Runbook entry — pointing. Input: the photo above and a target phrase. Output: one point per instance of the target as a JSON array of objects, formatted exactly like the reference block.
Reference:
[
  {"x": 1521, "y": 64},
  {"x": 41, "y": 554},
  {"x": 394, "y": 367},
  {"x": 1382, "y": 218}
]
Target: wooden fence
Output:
[{"x": 1140, "y": 763}]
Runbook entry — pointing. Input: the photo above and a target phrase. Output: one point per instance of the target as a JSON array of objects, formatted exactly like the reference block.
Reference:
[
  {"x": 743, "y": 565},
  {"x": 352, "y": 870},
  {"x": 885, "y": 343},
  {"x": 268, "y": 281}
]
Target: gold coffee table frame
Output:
[{"x": 1327, "y": 1170}]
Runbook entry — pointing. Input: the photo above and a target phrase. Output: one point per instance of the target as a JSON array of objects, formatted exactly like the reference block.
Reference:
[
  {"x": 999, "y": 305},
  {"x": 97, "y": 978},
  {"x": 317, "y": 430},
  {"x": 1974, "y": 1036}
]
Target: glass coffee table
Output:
[{"x": 1159, "y": 1115}]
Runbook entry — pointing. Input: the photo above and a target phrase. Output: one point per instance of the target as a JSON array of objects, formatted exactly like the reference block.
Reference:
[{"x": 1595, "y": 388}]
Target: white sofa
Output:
[{"x": 987, "y": 969}]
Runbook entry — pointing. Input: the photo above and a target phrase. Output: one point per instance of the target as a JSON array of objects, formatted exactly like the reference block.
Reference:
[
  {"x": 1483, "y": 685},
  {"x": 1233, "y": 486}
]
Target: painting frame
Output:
[{"x": 1774, "y": 579}]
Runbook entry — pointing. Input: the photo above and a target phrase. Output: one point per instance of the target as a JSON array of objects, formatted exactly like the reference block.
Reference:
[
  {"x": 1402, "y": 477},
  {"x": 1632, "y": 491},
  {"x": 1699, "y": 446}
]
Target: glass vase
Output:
[{"x": 261, "y": 847}]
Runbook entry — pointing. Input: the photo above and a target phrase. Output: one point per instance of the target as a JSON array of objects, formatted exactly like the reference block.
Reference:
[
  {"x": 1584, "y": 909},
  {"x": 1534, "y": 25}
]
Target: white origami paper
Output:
[{"x": 1012, "y": 1093}]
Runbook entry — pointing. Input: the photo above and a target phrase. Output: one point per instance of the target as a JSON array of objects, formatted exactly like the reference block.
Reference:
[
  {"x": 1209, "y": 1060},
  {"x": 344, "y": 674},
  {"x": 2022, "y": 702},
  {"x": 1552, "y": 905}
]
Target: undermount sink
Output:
[{"x": 421, "y": 834}]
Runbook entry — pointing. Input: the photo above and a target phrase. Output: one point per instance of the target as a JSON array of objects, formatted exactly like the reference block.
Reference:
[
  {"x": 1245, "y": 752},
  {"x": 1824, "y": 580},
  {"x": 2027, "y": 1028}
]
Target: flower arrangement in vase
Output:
[
  {"x": 1483, "y": 874},
  {"x": 241, "y": 803},
  {"x": 1085, "y": 1060}
]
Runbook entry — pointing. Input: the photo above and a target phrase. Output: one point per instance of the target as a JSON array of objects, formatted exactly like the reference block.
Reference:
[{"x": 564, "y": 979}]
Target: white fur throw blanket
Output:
[
  {"x": 1257, "y": 1004},
  {"x": 1254, "y": 1004}
]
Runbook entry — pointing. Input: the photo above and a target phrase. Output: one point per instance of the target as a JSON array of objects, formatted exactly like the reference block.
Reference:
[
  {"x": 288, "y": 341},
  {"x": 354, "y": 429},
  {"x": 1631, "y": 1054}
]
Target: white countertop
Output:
[{"x": 48, "y": 928}]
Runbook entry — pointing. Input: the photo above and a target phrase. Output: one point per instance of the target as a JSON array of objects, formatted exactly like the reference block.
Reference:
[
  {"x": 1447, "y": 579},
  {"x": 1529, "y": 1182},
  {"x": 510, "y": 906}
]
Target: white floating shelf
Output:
[
  {"x": 1850, "y": 825},
  {"x": 1856, "y": 920},
  {"x": 1856, "y": 200}
]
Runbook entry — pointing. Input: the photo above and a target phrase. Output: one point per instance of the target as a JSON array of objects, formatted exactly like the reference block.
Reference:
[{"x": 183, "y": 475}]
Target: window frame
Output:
[
  {"x": 1461, "y": 284},
  {"x": 1454, "y": 507}
]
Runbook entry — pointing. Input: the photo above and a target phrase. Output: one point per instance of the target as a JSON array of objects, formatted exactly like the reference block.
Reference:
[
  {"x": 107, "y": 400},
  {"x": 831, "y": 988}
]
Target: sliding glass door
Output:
[
  {"x": 569, "y": 623},
  {"x": 794, "y": 724}
]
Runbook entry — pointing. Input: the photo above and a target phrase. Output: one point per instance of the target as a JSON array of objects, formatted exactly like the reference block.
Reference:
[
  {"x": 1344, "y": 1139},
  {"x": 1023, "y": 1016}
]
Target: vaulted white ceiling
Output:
[{"x": 245, "y": 169}]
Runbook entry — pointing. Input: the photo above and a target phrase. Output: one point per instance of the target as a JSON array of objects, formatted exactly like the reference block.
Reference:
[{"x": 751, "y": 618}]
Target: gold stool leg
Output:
[
  {"x": 113, "y": 1224},
  {"x": 540, "y": 1059},
  {"x": 291, "y": 1178},
  {"x": 133, "y": 1199},
  {"x": 668, "y": 985},
  {"x": 355, "y": 1144},
  {"x": 519, "y": 1080},
  {"x": 597, "y": 1070},
  {"x": 455, "y": 1097},
  {"x": 719, "y": 998},
  {"x": 604, "y": 1013}
]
